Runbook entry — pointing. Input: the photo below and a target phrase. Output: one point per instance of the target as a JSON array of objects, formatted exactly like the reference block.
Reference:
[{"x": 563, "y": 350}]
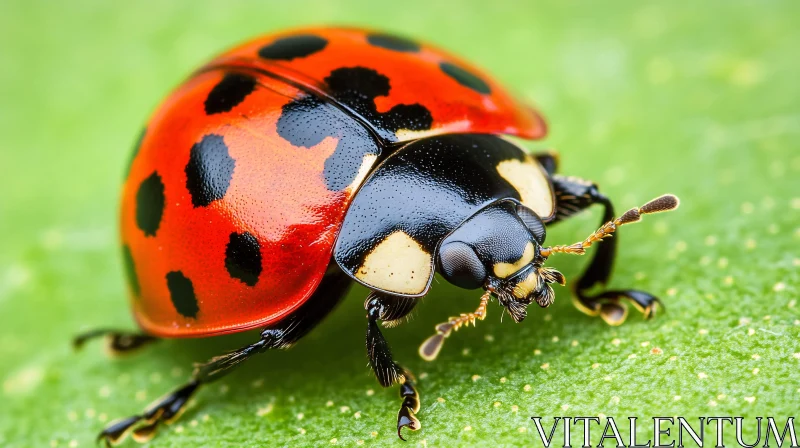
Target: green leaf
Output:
[{"x": 696, "y": 99}]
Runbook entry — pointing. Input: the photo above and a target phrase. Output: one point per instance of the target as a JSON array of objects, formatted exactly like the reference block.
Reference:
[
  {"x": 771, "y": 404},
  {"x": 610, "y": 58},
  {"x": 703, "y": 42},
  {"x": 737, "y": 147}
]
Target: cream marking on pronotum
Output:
[
  {"x": 363, "y": 170},
  {"x": 530, "y": 180},
  {"x": 407, "y": 134},
  {"x": 397, "y": 264}
]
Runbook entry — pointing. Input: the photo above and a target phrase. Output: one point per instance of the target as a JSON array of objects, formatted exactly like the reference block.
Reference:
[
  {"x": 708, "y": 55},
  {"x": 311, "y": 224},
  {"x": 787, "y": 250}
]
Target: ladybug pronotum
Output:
[{"x": 289, "y": 167}]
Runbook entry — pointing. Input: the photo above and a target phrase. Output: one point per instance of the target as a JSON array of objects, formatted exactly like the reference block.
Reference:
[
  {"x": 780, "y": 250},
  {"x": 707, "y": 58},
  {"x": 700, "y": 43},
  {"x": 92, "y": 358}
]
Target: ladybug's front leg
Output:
[
  {"x": 572, "y": 196},
  {"x": 391, "y": 309}
]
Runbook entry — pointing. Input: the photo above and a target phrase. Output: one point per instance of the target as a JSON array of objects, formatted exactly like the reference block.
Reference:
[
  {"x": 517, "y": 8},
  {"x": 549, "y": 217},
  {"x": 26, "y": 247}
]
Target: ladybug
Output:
[{"x": 295, "y": 164}]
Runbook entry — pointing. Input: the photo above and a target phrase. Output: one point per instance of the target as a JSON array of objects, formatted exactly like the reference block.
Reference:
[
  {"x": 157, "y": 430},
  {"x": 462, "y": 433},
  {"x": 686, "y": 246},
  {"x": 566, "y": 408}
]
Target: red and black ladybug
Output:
[{"x": 297, "y": 162}]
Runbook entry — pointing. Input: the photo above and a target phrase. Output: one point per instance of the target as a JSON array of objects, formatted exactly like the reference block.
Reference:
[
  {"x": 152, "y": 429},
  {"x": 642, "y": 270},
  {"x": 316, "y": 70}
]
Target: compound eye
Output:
[{"x": 460, "y": 265}]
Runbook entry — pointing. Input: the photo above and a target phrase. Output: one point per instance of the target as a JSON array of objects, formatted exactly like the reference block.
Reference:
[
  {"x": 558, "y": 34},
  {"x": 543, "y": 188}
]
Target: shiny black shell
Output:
[{"x": 423, "y": 192}]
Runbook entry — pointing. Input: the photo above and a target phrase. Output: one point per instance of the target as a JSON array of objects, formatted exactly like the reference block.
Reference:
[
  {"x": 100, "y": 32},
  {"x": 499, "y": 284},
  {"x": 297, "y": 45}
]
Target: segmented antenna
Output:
[
  {"x": 429, "y": 349},
  {"x": 663, "y": 203}
]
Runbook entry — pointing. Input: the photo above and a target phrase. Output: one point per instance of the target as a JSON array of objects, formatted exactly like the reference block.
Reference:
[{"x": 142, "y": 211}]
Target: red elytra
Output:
[{"x": 252, "y": 243}]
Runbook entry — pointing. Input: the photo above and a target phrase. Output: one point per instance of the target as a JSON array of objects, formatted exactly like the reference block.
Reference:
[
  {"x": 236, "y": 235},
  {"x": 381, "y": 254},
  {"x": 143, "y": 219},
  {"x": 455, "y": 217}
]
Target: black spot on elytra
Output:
[
  {"x": 130, "y": 270},
  {"x": 357, "y": 88},
  {"x": 391, "y": 42},
  {"x": 288, "y": 48},
  {"x": 150, "y": 204},
  {"x": 243, "y": 257},
  {"x": 231, "y": 91},
  {"x": 309, "y": 119},
  {"x": 209, "y": 171},
  {"x": 465, "y": 78},
  {"x": 181, "y": 292},
  {"x": 135, "y": 152}
]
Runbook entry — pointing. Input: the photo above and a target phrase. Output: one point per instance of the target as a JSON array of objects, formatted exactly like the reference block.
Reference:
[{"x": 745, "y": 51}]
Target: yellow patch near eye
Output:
[
  {"x": 398, "y": 264},
  {"x": 530, "y": 181},
  {"x": 526, "y": 287},
  {"x": 503, "y": 270}
]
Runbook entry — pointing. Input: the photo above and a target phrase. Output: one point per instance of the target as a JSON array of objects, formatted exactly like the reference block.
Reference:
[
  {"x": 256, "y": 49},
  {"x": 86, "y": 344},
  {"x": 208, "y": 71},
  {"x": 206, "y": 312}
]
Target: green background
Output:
[{"x": 695, "y": 98}]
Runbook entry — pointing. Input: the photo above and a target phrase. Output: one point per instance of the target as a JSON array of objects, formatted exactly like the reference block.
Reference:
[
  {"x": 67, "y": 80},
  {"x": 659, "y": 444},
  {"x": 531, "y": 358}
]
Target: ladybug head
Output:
[{"x": 500, "y": 249}]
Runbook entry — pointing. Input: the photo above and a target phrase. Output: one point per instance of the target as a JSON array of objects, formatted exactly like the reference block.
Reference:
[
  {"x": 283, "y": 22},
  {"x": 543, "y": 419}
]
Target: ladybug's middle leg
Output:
[
  {"x": 572, "y": 196},
  {"x": 280, "y": 335},
  {"x": 390, "y": 309}
]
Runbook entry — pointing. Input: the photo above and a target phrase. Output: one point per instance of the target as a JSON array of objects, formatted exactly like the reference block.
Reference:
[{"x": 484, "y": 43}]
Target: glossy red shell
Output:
[
  {"x": 415, "y": 76},
  {"x": 275, "y": 196}
]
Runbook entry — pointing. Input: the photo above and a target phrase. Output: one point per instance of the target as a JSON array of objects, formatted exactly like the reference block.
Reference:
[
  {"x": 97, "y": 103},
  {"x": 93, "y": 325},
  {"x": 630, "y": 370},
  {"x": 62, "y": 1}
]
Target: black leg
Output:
[
  {"x": 572, "y": 196},
  {"x": 548, "y": 160},
  {"x": 118, "y": 342},
  {"x": 281, "y": 335},
  {"x": 390, "y": 309}
]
